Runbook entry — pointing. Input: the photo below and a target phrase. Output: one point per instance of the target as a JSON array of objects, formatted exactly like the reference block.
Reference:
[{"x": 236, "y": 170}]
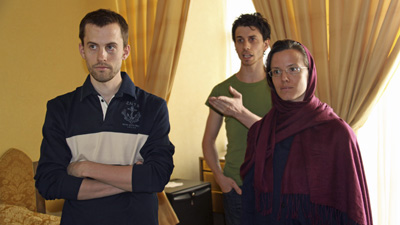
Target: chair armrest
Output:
[{"x": 40, "y": 201}]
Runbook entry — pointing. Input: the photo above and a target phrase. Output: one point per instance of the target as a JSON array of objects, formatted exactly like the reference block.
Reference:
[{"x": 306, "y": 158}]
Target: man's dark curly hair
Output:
[{"x": 252, "y": 20}]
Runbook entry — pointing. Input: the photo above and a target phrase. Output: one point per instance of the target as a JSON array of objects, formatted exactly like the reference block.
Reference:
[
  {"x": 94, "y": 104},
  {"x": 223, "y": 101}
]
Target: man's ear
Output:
[
  {"x": 127, "y": 51},
  {"x": 81, "y": 50},
  {"x": 266, "y": 44}
]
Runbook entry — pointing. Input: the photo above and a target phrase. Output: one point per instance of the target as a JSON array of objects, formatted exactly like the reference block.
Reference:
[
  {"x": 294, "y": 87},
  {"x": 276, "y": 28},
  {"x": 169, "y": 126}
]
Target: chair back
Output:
[{"x": 17, "y": 186}]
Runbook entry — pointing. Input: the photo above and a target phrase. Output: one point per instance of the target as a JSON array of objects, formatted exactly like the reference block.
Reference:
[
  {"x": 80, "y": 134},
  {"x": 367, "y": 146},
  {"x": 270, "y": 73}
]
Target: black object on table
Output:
[{"x": 191, "y": 202}]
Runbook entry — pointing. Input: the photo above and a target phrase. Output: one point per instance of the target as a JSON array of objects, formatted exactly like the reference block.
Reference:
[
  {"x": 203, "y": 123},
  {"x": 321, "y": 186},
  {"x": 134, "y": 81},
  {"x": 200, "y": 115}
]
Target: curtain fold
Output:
[
  {"x": 166, "y": 46},
  {"x": 156, "y": 34},
  {"x": 354, "y": 43}
]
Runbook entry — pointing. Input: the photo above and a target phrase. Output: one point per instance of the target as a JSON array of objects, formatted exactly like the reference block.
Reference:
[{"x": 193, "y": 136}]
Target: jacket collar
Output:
[{"x": 127, "y": 87}]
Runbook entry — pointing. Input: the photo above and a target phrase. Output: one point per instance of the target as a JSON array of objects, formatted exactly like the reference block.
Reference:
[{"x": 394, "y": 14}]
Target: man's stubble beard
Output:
[{"x": 103, "y": 76}]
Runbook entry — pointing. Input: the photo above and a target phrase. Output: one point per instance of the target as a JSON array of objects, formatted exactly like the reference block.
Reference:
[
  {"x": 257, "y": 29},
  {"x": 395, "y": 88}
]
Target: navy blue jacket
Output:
[{"x": 134, "y": 126}]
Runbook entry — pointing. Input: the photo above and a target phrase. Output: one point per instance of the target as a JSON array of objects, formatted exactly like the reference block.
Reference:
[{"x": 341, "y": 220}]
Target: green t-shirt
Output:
[{"x": 257, "y": 98}]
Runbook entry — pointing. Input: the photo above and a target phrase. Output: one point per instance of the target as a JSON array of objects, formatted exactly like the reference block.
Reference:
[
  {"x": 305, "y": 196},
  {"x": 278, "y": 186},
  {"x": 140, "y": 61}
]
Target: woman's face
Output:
[{"x": 290, "y": 86}]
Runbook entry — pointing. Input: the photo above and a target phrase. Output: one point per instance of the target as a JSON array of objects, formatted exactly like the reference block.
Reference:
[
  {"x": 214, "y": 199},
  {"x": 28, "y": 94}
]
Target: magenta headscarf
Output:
[{"x": 324, "y": 148}]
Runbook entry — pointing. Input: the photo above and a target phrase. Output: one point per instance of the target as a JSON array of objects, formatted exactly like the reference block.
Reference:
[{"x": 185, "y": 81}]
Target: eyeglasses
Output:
[{"x": 294, "y": 70}]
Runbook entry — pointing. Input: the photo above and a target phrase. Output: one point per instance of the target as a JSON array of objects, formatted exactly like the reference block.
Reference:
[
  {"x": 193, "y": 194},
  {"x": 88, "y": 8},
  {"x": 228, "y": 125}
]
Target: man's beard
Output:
[{"x": 103, "y": 76}]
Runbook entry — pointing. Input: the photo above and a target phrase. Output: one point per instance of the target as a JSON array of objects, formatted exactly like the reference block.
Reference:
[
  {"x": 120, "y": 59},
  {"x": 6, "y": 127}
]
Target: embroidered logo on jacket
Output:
[{"x": 131, "y": 115}]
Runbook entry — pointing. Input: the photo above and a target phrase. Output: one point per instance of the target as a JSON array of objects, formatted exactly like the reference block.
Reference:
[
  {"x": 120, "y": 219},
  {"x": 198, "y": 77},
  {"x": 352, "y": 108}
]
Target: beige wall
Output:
[
  {"x": 201, "y": 67},
  {"x": 39, "y": 60}
]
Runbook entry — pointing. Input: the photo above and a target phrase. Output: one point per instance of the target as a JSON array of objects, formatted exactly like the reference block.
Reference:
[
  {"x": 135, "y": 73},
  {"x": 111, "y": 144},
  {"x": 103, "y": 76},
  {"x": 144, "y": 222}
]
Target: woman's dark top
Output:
[{"x": 282, "y": 212}]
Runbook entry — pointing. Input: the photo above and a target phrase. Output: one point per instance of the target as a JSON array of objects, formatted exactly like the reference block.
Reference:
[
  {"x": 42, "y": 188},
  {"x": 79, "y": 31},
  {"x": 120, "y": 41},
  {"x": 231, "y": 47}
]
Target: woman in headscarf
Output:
[{"x": 303, "y": 164}]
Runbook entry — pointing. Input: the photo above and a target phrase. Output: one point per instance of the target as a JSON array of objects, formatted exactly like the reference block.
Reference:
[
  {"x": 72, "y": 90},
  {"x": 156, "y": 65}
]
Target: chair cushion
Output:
[{"x": 12, "y": 214}]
